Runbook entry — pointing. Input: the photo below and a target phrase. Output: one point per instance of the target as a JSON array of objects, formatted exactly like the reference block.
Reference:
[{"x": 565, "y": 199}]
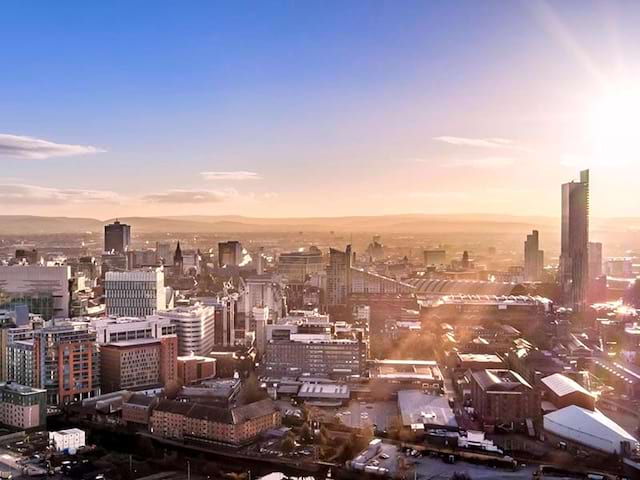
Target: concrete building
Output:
[
  {"x": 194, "y": 325},
  {"x": 435, "y": 258},
  {"x": 229, "y": 253},
  {"x": 420, "y": 411},
  {"x": 503, "y": 397},
  {"x": 423, "y": 375},
  {"x": 208, "y": 424},
  {"x": 120, "y": 329},
  {"x": 135, "y": 294},
  {"x": 22, "y": 407},
  {"x": 194, "y": 369},
  {"x": 533, "y": 258},
  {"x": 297, "y": 349},
  {"x": 574, "y": 255},
  {"x": 296, "y": 266},
  {"x": 44, "y": 289},
  {"x": 117, "y": 237},
  {"x": 139, "y": 364}
]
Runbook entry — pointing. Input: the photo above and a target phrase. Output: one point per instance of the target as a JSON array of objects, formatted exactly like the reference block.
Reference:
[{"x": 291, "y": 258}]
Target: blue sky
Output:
[{"x": 308, "y": 108}]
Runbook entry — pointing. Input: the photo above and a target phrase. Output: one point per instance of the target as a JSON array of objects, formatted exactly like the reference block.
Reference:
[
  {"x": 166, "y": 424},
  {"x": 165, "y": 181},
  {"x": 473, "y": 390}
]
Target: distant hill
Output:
[{"x": 419, "y": 224}]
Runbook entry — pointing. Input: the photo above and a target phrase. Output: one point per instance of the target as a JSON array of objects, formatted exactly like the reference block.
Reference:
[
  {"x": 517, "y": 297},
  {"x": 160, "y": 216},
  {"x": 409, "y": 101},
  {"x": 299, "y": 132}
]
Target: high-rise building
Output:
[
  {"x": 435, "y": 258},
  {"x": 135, "y": 294},
  {"x": 339, "y": 276},
  {"x": 63, "y": 359},
  {"x": 595, "y": 260},
  {"x": 22, "y": 407},
  {"x": 117, "y": 237},
  {"x": 44, "y": 289},
  {"x": 229, "y": 253},
  {"x": 296, "y": 266},
  {"x": 121, "y": 329},
  {"x": 533, "y": 258},
  {"x": 574, "y": 255}
]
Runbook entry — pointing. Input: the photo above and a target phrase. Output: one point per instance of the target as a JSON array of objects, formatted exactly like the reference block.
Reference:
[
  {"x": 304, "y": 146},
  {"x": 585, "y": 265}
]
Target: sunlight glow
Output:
[{"x": 614, "y": 123}]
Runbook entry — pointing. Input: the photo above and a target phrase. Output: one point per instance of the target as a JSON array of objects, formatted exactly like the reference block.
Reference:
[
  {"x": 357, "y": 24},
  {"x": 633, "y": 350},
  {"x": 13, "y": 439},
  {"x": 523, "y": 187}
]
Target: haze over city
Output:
[
  {"x": 291, "y": 109},
  {"x": 294, "y": 240}
]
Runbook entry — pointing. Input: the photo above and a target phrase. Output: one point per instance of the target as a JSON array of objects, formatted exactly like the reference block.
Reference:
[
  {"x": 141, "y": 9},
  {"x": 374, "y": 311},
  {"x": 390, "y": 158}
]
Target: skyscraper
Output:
[
  {"x": 595, "y": 260},
  {"x": 339, "y": 276},
  {"x": 117, "y": 237},
  {"x": 574, "y": 255},
  {"x": 229, "y": 253},
  {"x": 533, "y": 257}
]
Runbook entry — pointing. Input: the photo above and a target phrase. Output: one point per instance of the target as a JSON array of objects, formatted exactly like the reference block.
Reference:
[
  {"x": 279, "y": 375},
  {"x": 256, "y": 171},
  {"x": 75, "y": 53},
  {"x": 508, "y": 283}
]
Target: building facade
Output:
[
  {"x": 22, "y": 407},
  {"x": 194, "y": 326},
  {"x": 574, "y": 255},
  {"x": 117, "y": 237},
  {"x": 135, "y": 294},
  {"x": 533, "y": 258}
]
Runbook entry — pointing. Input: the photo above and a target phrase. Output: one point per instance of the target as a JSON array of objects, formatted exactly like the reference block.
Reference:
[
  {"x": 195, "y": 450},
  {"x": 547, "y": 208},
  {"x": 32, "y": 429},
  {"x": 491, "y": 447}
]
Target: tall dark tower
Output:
[
  {"x": 117, "y": 237},
  {"x": 574, "y": 252},
  {"x": 465, "y": 260},
  {"x": 178, "y": 261}
]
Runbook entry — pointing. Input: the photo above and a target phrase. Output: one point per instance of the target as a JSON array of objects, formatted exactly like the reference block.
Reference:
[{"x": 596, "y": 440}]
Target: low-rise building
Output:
[
  {"x": 423, "y": 375},
  {"x": 195, "y": 368},
  {"x": 421, "y": 411},
  {"x": 562, "y": 391},
  {"x": 503, "y": 397},
  {"x": 207, "y": 424},
  {"x": 67, "y": 440},
  {"x": 137, "y": 409}
]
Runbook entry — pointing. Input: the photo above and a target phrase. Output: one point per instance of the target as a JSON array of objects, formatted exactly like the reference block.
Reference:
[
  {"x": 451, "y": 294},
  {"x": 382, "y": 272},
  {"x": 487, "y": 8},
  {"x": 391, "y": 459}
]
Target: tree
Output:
[
  {"x": 252, "y": 391},
  {"x": 460, "y": 476},
  {"x": 288, "y": 444},
  {"x": 306, "y": 434}
]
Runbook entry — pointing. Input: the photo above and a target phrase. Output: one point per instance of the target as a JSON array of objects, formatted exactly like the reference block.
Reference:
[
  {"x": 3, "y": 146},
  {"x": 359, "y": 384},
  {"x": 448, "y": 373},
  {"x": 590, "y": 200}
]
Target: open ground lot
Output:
[
  {"x": 361, "y": 414},
  {"x": 434, "y": 468}
]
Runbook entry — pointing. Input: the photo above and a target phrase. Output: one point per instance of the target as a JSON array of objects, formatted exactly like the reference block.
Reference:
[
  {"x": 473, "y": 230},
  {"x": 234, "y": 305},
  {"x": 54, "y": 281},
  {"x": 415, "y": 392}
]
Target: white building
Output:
[
  {"x": 70, "y": 439},
  {"x": 120, "y": 329},
  {"x": 136, "y": 293},
  {"x": 592, "y": 429},
  {"x": 194, "y": 326},
  {"x": 45, "y": 289}
]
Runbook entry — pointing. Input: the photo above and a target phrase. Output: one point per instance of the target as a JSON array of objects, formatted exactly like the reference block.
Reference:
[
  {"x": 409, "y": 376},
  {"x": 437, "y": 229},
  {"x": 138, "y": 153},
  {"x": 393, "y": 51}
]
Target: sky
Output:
[{"x": 317, "y": 108}]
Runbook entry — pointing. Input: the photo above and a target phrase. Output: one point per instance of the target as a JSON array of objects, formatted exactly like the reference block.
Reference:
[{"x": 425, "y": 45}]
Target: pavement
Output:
[{"x": 433, "y": 468}]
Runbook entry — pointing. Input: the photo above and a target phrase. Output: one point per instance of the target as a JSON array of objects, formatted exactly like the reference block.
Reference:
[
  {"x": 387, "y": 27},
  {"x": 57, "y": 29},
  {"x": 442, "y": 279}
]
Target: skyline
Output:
[{"x": 258, "y": 110}]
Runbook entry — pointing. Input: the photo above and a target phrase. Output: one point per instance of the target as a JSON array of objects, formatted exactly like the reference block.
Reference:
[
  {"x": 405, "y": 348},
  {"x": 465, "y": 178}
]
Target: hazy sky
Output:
[{"x": 276, "y": 108}]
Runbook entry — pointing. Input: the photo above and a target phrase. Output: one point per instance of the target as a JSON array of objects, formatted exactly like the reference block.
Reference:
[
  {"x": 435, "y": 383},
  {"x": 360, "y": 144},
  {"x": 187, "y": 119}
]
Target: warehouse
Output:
[
  {"x": 562, "y": 391},
  {"x": 591, "y": 429}
]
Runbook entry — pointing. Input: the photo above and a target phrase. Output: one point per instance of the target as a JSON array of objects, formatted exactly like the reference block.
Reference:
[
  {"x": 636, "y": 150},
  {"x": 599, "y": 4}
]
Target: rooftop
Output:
[
  {"x": 495, "y": 379},
  {"x": 419, "y": 409},
  {"x": 562, "y": 385}
]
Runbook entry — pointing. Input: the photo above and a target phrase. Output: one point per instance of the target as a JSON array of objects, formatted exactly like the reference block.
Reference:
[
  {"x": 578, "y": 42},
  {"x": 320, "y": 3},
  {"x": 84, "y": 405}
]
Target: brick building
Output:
[{"x": 200, "y": 423}]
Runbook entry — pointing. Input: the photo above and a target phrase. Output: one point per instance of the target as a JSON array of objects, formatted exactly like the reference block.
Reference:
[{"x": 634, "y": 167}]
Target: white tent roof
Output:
[{"x": 577, "y": 422}]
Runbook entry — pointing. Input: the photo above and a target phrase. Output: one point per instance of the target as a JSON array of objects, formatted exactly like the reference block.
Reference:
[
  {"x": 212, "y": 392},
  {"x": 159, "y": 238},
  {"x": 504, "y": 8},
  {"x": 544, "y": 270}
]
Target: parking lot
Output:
[
  {"x": 362, "y": 414},
  {"x": 435, "y": 468}
]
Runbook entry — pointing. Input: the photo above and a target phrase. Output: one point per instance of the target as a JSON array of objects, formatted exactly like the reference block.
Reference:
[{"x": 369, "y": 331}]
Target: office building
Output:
[
  {"x": 229, "y": 253},
  {"x": 22, "y": 407},
  {"x": 139, "y": 364},
  {"x": 117, "y": 237},
  {"x": 435, "y": 258},
  {"x": 120, "y": 329},
  {"x": 45, "y": 290},
  {"x": 307, "y": 346},
  {"x": 533, "y": 258},
  {"x": 135, "y": 294},
  {"x": 195, "y": 326},
  {"x": 574, "y": 255},
  {"x": 297, "y": 266}
]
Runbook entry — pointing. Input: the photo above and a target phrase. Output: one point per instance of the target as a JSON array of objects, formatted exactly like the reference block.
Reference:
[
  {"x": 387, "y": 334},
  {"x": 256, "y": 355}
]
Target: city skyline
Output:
[{"x": 284, "y": 110}]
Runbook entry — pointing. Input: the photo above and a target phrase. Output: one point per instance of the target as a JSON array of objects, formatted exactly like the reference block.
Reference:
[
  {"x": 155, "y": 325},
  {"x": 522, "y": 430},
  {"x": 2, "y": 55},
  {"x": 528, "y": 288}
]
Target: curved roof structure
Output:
[{"x": 461, "y": 287}]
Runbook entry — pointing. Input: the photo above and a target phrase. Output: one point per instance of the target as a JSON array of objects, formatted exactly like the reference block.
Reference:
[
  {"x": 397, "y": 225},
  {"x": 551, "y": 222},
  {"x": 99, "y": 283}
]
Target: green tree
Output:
[{"x": 288, "y": 444}]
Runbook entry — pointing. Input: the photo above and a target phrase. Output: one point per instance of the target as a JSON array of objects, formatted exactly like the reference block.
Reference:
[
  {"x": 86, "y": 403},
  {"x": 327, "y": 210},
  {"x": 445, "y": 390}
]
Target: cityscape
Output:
[{"x": 285, "y": 240}]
